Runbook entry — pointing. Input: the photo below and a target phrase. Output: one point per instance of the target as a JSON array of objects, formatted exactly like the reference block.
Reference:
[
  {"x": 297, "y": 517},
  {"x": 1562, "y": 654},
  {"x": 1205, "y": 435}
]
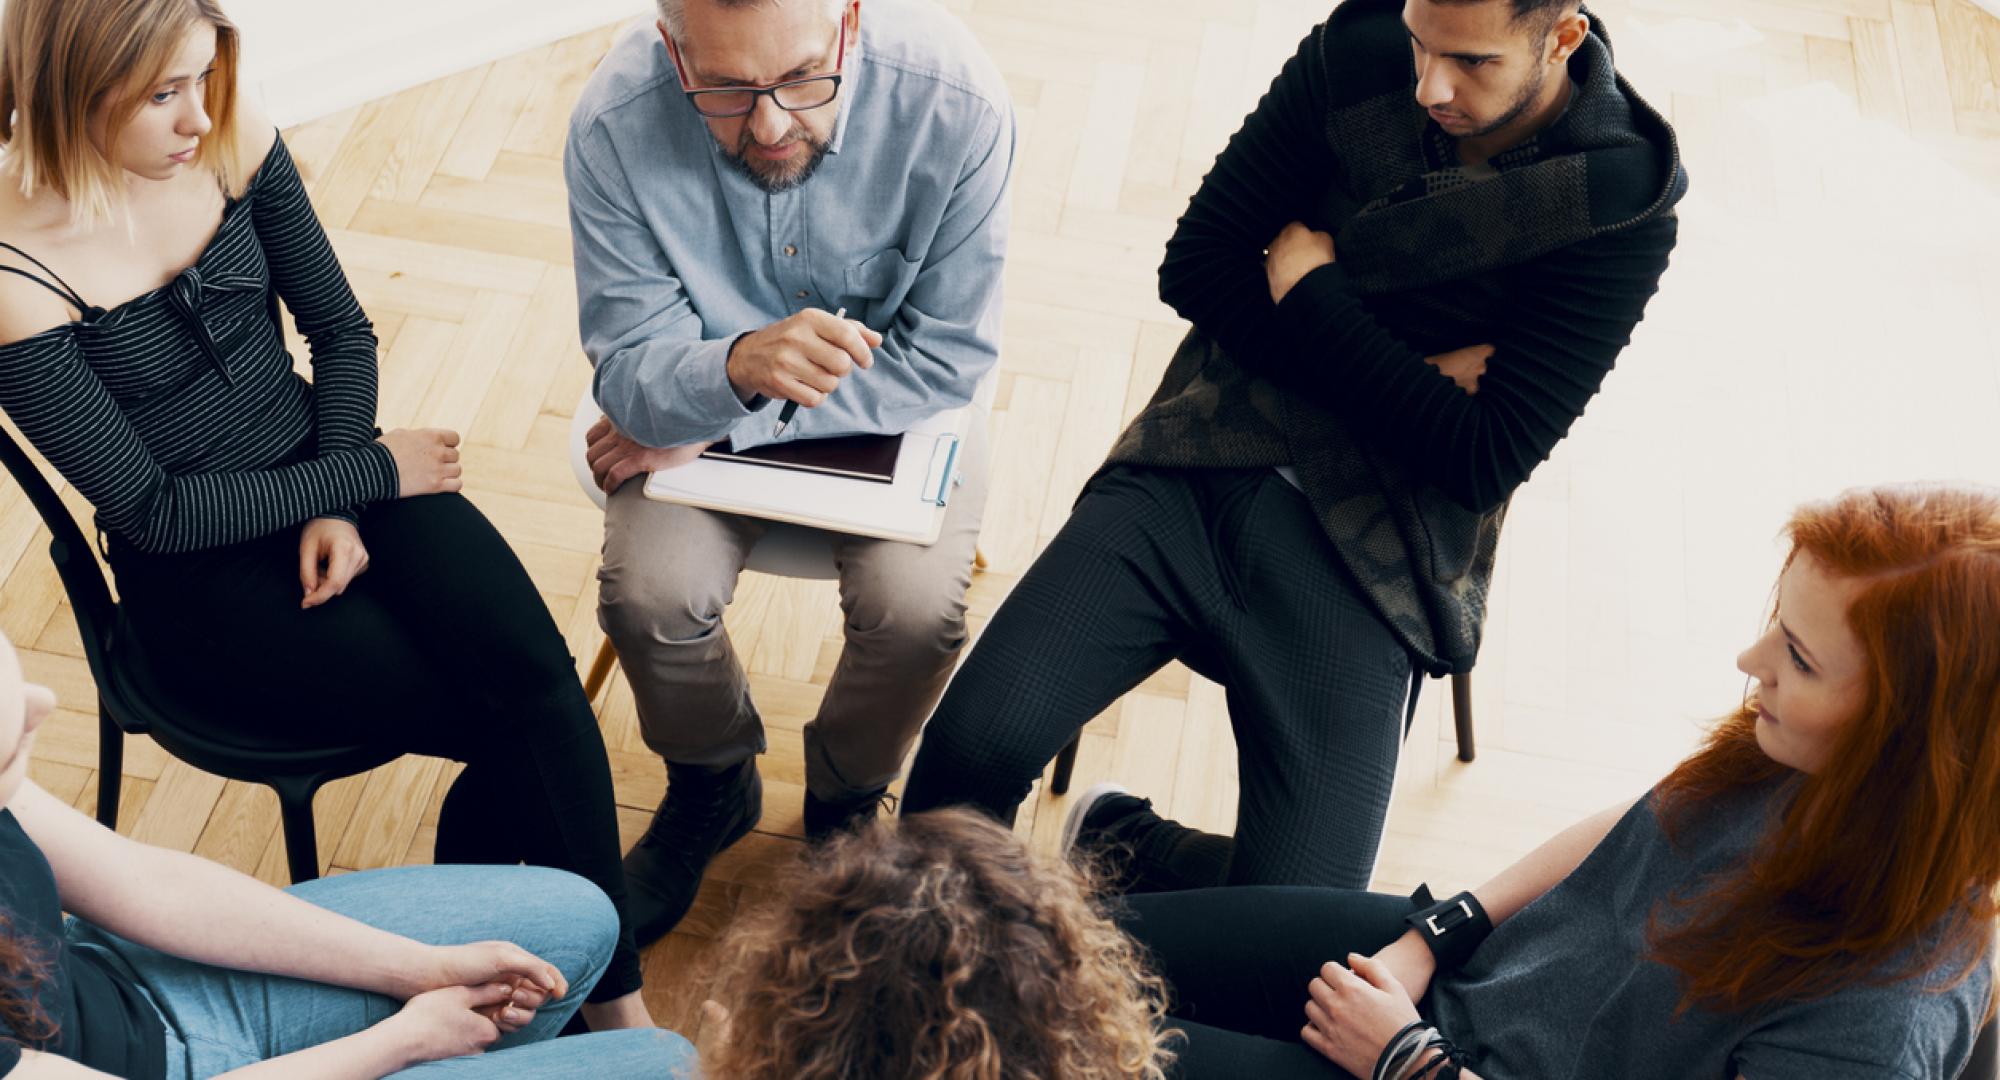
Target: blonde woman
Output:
[
  {"x": 933, "y": 947},
  {"x": 309, "y": 581}
]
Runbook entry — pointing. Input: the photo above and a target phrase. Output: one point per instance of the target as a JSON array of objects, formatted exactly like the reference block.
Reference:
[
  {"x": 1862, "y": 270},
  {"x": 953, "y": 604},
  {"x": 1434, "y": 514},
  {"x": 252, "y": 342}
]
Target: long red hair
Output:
[
  {"x": 23, "y": 970},
  {"x": 1895, "y": 843}
]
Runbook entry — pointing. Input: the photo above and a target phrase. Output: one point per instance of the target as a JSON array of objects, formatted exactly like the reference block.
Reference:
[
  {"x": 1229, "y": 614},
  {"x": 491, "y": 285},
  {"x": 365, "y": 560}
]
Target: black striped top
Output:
[{"x": 178, "y": 415}]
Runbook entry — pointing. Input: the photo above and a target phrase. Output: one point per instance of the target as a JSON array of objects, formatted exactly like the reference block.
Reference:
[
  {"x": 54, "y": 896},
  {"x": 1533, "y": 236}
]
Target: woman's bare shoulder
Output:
[
  {"x": 26, "y": 309},
  {"x": 255, "y": 135}
]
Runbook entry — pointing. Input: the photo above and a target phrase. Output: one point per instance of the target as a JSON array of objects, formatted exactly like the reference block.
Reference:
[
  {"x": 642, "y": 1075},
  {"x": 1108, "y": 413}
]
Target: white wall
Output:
[{"x": 307, "y": 58}]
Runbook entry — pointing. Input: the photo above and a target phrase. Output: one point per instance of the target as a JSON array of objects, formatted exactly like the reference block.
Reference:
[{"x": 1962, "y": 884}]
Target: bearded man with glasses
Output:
[{"x": 770, "y": 205}]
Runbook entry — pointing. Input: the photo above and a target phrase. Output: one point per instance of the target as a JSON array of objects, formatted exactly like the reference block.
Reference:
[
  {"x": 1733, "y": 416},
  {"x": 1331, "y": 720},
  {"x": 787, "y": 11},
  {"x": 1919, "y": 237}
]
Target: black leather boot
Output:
[
  {"x": 823, "y": 819},
  {"x": 705, "y": 811}
]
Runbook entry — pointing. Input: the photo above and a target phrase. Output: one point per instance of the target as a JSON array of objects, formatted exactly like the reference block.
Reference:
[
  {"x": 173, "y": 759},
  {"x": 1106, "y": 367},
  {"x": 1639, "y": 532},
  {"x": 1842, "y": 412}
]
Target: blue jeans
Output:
[{"x": 218, "y": 1019}]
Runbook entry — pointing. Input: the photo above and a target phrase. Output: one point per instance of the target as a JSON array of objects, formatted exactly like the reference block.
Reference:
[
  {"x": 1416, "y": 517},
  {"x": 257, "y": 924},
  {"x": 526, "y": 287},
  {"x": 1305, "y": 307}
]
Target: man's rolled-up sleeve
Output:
[
  {"x": 945, "y": 336},
  {"x": 658, "y": 378}
]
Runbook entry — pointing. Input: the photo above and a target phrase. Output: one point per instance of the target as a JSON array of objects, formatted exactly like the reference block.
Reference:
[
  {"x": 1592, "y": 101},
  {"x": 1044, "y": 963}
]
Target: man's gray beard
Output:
[{"x": 740, "y": 161}]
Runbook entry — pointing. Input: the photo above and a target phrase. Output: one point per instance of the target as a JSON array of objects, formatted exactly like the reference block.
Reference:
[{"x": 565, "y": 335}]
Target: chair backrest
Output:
[{"x": 83, "y": 580}]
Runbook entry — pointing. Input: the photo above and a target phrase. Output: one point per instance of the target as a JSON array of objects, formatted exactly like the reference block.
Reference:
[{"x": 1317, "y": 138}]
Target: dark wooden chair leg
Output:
[
  {"x": 1985, "y": 1063},
  {"x": 600, "y": 670},
  {"x": 1065, "y": 764},
  {"x": 110, "y": 768},
  {"x": 1461, "y": 713},
  {"x": 295, "y": 808}
]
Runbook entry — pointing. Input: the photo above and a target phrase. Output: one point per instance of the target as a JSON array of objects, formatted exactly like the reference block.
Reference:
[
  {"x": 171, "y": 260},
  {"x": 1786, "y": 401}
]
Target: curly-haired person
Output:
[{"x": 935, "y": 947}]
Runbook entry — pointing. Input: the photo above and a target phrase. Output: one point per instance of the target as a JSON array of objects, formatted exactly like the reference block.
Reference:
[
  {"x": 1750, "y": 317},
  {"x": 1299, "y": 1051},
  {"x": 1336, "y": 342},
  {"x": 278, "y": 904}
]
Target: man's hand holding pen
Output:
[{"x": 801, "y": 358}]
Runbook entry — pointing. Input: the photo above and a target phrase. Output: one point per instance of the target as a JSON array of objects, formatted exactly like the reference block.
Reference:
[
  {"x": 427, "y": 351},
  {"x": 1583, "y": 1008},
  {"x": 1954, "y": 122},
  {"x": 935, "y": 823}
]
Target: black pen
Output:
[{"x": 791, "y": 408}]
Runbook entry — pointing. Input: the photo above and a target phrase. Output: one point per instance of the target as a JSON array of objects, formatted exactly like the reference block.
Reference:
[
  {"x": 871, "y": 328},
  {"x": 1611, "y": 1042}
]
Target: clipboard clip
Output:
[{"x": 943, "y": 474}]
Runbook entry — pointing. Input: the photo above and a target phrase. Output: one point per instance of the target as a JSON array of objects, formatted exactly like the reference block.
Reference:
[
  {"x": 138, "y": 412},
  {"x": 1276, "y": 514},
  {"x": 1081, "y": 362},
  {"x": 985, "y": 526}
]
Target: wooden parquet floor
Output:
[{"x": 1827, "y": 321}]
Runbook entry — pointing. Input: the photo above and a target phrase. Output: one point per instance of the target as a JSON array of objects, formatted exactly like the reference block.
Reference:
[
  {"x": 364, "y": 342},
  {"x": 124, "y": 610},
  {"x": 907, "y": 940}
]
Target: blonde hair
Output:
[
  {"x": 62, "y": 60},
  {"x": 935, "y": 947}
]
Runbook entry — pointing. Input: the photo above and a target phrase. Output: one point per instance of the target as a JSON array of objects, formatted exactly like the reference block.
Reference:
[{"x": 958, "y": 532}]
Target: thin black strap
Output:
[{"x": 59, "y": 287}]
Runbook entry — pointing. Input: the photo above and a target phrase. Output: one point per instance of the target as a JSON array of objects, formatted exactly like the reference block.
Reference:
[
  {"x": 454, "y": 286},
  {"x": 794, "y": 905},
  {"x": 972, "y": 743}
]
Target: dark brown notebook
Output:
[{"x": 857, "y": 457}]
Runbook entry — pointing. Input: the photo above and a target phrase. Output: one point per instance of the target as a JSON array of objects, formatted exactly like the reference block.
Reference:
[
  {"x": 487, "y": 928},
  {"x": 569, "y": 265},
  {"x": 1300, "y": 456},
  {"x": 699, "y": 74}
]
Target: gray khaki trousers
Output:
[{"x": 670, "y": 571}]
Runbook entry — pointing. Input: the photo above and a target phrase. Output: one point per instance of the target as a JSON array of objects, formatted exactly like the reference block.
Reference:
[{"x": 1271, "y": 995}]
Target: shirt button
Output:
[
  {"x": 802, "y": 293},
  {"x": 790, "y": 250}
]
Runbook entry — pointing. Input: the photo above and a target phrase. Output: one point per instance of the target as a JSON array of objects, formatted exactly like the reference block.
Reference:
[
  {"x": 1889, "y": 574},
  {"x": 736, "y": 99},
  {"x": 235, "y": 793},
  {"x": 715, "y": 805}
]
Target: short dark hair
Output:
[{"x": 1538, "y": 15}]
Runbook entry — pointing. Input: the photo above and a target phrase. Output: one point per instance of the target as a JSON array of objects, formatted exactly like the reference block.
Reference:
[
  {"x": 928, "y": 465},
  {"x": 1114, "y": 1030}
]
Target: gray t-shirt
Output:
[{"x": 1561, "y": 991}]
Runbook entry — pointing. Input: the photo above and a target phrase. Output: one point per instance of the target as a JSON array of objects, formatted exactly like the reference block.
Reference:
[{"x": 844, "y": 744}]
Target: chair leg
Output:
[
  {"x": 295, "y": 808},
  {"x": 1065, "y": 765},
  {"x": 1461, "y": 713},
  {"x": 110, "y": 767},
  {"x": 600, "y": 671},
  {"x": 1985, "y": 1063}
]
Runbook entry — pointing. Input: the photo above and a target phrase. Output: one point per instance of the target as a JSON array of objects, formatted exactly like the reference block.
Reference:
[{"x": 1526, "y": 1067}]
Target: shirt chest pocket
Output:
[{"x": 877, "y": 287}]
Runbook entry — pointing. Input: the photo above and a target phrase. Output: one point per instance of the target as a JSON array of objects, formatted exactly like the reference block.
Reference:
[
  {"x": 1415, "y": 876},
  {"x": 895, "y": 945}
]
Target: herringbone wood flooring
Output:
[{"x": 1827, "y": 322}]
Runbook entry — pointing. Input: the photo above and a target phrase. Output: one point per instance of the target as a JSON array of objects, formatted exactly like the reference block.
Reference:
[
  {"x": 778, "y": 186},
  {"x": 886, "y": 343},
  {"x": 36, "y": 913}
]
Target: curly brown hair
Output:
[{"x": 935, "y": 947}]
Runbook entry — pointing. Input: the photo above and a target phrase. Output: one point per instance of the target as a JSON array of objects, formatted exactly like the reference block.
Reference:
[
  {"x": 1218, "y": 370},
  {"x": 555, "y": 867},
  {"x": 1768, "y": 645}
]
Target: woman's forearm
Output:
[
  {"x": 365, "y": 1055},
  {"x": 1514, "y": 888},
  {"x": 203, "y": 911},
  {"x": 42, "y": 1065},
  {"x": 1537, "y": 872}
]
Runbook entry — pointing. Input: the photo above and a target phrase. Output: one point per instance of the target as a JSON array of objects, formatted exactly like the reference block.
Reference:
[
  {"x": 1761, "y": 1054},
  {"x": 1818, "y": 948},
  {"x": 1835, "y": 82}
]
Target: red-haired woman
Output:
[{"x": 1809, "y": 897}]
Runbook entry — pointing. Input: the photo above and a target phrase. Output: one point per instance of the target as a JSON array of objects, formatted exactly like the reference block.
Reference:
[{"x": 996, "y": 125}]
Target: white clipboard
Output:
[{"x": 910, "y": 508}]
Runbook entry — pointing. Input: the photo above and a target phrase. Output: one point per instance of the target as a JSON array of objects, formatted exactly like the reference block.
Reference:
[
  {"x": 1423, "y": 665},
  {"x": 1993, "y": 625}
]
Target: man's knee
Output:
[
  {"x": 666, "y": 601},
  {"x": 912, "y": 618},
  {"x": 964, "y": 762},
  {"x": 661, "y": 584}
]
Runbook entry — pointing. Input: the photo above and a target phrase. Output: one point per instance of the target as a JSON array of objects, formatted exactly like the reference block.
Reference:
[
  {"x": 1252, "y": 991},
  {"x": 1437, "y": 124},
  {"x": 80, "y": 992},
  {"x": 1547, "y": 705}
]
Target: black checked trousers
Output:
[
  {"x": 1229, "y": 572},
  {"x": 1237, "y": 963}
]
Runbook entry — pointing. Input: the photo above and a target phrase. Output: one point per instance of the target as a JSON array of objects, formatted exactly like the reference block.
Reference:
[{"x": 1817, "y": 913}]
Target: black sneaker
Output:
[
  {"x": 1102, "y": 831},
  {"x": 824, "y": 819},
  {"x": 705, "y": 811}
]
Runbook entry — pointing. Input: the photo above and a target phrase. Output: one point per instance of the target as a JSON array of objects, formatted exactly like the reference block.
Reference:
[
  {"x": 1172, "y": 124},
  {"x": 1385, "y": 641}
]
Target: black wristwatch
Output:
[{"x": 1453, "y": 929}]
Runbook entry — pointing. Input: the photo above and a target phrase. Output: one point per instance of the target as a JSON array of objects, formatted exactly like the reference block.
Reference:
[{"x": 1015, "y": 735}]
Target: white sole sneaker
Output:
[{"x": 1080, "y": 809}]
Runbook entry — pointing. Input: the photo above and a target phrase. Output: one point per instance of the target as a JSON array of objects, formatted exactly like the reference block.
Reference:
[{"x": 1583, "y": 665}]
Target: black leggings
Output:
[
  {"x": 441, "y": 647},
  {"x": 1237, "y": 962}
]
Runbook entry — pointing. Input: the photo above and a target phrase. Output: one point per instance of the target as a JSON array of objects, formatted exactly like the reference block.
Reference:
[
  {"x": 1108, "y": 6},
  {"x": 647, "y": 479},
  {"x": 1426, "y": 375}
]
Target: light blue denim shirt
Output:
[{"x": 904, "y": 224}]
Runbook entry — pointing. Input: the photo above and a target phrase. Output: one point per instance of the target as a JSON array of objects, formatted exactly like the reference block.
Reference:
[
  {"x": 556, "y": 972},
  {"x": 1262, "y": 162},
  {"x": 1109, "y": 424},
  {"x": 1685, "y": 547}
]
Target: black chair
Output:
[
  {"x": 1461, "y": 714},
  {"x": 130, "y": 699},
  {"x": 1985, "y": 1063}
]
